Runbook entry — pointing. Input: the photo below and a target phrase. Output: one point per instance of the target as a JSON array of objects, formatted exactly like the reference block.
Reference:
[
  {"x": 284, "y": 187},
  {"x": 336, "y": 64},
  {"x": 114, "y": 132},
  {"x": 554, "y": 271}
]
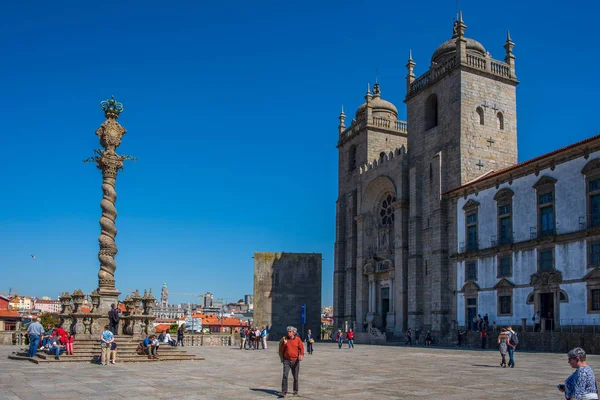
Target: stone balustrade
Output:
[{"x": 437, "y": 71}]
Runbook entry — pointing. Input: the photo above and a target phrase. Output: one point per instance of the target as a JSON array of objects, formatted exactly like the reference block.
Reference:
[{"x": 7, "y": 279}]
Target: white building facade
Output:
[{"x": 528, "y": 239}]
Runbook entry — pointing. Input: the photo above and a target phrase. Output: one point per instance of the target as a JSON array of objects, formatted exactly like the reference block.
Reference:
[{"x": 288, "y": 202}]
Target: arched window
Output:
[
  {"x": 481, "y": 116},
  {"x": 431, "y": 112},
  {"x": 500, "y": 119},
  {"x": 352, "y": 158}
]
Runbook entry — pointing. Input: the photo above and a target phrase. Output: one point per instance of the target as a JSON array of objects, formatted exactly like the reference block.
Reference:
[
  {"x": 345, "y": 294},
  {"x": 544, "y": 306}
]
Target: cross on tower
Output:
[
  {"x": 479, "y": 164},
  {"x": 485, "y": 104},
  {"x": 491, "y": 141},
  {"x": 495, "y": 108}
]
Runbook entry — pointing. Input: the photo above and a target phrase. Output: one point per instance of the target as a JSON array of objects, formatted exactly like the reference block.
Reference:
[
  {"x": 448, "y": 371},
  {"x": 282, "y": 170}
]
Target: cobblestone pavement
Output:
[{"x": 366, "y": 372}]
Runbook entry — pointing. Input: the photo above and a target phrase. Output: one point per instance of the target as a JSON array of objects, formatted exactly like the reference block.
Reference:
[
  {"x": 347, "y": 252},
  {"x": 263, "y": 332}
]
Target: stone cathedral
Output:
[{"x": 394, "y": 225}]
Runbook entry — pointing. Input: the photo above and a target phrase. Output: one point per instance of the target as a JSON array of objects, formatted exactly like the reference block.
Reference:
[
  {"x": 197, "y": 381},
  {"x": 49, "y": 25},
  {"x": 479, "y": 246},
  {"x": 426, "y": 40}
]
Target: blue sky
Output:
[{"x": 232, "y": 112}]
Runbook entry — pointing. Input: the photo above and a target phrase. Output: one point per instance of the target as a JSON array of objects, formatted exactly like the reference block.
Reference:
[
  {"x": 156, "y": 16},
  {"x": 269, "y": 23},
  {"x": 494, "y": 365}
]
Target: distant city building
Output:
[
  {"x": 249, "y": 301},
  {"x": 208, "y": 299},
  {"x": 45, "y": 305},
  {"x": 164, "y": 296},
  {"x": 174, "y": 311},
  {"x": 8, "y": 319},
  {"x": 20, "y": 304}
]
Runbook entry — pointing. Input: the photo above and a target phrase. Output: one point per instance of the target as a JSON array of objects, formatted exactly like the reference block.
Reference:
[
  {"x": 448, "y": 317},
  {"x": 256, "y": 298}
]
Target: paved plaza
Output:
[{"x": 367, "y": 372}]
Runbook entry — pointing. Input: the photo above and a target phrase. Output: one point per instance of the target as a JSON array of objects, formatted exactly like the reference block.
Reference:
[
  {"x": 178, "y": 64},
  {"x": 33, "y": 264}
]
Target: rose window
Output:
[{"x": 387, "y": 210}]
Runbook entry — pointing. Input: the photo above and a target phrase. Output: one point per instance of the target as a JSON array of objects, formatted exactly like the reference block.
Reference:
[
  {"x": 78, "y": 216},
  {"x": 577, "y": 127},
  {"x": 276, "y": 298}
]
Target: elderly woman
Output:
[
  {"x": 581, "y": 385},
  {"x": 503, "y": 345}
]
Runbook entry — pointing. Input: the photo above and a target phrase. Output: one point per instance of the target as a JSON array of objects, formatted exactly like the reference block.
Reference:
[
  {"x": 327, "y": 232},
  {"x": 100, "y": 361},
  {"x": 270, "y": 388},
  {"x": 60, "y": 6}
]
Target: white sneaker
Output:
[{"x": 113, "y": 361}]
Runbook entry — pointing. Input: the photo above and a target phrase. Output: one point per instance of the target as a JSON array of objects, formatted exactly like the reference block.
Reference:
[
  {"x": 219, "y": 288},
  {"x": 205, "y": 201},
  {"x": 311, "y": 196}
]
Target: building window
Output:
[
  {"x": 595, "y": 302},
  {"x": 504, "y": 267},
  {"x": 471, "y": 271},
  {"x": 505, "y": 305},
  {"x": 545, "y": 201},
  {"x": 594, "y": 202},
  {"x": 471, "y": 311},
  {"x": 481, "y": 116},
  {"x": 592, "y": 178},
  {"x": 504, "y": 203},
  {"x": 594, "y": 255},
  {"x": 387, "y": 210},
  {"x": 472, "y": 242},
  {"x": 546, "y": 260},
  {"x": 500, "y": 121},
  {"x": 471, "y": 208},
  {"x": 431, "y": 112},
  {"x": 352, "y": 158}
]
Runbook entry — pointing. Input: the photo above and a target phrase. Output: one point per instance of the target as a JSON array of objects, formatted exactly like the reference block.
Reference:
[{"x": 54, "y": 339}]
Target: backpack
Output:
[{"x": 514, "y": 339}]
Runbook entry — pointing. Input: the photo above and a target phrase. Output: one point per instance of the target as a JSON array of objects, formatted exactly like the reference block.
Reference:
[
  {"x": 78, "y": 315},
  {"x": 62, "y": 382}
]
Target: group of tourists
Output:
[
  {"x": 53, "y": 339},
  {"x": 339, "y": 338},
  {"x": 410, "y": 337},
  {"x": 251, "y": 338}
]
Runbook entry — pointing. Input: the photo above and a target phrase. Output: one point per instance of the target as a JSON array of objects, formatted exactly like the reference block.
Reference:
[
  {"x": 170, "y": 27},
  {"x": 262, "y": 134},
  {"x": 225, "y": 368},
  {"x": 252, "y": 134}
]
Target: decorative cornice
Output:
[
  {"x": 504, "y": 194},
  {"x": 504, "y": 284},
  {"x": 546, "y": 278},
  {"x": 471, "y": 204},
  {"x": 544, "y": 182}
]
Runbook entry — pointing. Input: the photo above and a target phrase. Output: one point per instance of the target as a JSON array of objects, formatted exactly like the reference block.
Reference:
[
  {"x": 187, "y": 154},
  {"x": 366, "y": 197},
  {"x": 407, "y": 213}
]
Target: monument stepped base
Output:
[{"x": 89, "y": 350}]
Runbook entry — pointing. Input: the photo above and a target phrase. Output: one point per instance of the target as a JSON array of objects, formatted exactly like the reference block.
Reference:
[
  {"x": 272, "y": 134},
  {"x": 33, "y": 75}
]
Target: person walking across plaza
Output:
[
  {"x": 310, "y": 340},
  {"x": 350, "y": 337},
  {"x": 291, "y": 352},
  {"x": 35, "y": 330},
  {"x": 339, "y": 338},
  {"x": 106, "y": 338},
  {"x": 503, "y": 346},
  {"x": 408, "y": 337},
  {"x": 513, "y": 341},
  {"x": 483, "y": 337},
  {"x": 581, "y": 385}
]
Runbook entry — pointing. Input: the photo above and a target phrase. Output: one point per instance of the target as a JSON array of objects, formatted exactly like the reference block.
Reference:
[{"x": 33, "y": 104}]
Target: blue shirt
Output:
[
  {"x": 35, "y": 328},
  {"x": 107, "y": 336},
  {"x": 146, "y": 342},
  {"x": 581, "y": 382}
]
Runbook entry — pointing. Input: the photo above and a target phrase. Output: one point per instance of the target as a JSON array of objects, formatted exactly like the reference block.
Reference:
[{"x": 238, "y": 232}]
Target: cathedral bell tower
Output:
[{"x": 463, "y": 123}]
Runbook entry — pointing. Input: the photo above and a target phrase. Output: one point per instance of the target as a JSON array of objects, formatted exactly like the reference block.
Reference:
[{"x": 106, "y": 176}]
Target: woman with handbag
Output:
[{"x": 310, "y": 340}]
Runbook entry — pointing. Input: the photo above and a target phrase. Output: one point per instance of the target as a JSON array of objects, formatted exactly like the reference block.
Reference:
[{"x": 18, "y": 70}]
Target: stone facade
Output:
[
  {"x": 393, "y": 226},
  {"x": 283, "y": 282}
]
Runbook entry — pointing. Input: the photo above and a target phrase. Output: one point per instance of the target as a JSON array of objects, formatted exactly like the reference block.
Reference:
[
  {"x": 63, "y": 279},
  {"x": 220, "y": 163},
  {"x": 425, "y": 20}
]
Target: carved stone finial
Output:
[
  {"x": 112, "y": 108},
  {"x": 376, "y": 90}
]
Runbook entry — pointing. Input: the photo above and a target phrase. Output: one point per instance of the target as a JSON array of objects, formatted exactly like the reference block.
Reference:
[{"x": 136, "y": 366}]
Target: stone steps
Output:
[{"x": 89, "y": 350}]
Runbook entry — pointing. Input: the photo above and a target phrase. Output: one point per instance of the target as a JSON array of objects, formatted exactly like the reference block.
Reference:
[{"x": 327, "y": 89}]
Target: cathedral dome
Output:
[
  {"x": 378, "y": 104},
  {"x": 449, "y": 48}
]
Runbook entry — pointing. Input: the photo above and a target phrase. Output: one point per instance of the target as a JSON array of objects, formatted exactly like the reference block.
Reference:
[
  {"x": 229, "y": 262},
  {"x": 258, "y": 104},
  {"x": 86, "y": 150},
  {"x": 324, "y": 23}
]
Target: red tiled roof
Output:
[
  {"x": 161, "y": 328},
  {"x": 492, "y": 174},
  {"x": 7, "y": 313}
]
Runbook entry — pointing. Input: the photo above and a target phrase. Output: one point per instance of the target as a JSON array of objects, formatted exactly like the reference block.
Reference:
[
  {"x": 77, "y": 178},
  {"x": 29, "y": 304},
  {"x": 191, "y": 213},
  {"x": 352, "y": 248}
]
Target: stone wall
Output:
[
  {"x": 6, "y": 337},
  {"x": 283, "y": 282},
  {"x": 551, "y": 342}
]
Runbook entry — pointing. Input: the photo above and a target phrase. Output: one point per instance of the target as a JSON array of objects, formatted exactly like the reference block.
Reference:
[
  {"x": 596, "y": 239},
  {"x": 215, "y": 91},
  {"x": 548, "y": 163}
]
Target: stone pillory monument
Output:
[
  {"x": 138, "y": 317},
  {"x": 287, "y": 291}
]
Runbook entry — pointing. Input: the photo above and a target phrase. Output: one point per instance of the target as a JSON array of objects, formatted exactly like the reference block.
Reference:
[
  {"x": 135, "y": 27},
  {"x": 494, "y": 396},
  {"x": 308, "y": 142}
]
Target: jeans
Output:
[
  {"x": 350, "y": 343},
  {"x": 56, "y": 351},
  {"x": 45, "y": 341},
  {"x": 34, "y": 343},
  {"x": 340, "y": 344},
  {"x": 309, "y": 347},
  {"x": 511, "y": 356},
  {"x": 294, "y": 365}
]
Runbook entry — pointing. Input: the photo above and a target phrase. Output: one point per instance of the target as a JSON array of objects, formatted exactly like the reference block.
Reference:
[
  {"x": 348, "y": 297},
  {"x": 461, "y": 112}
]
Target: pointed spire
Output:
[
  {"x": 459, "y": 27},
  {"x": 342, "y": 113},
  {"x": 409, "y": 54},
  {"x": 460, "y": 16},
  {"x": 368, "y": 87},
  {"x": 508, "y": 36}
]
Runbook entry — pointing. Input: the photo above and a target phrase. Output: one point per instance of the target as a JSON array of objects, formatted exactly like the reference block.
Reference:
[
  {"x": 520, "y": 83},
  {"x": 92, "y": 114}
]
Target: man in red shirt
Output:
[{"x": 291, "y": 352}]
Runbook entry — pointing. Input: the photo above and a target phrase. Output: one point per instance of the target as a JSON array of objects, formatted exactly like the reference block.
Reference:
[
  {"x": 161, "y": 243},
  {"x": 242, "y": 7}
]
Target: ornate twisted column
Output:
[{"x": 109, "y": 162}]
